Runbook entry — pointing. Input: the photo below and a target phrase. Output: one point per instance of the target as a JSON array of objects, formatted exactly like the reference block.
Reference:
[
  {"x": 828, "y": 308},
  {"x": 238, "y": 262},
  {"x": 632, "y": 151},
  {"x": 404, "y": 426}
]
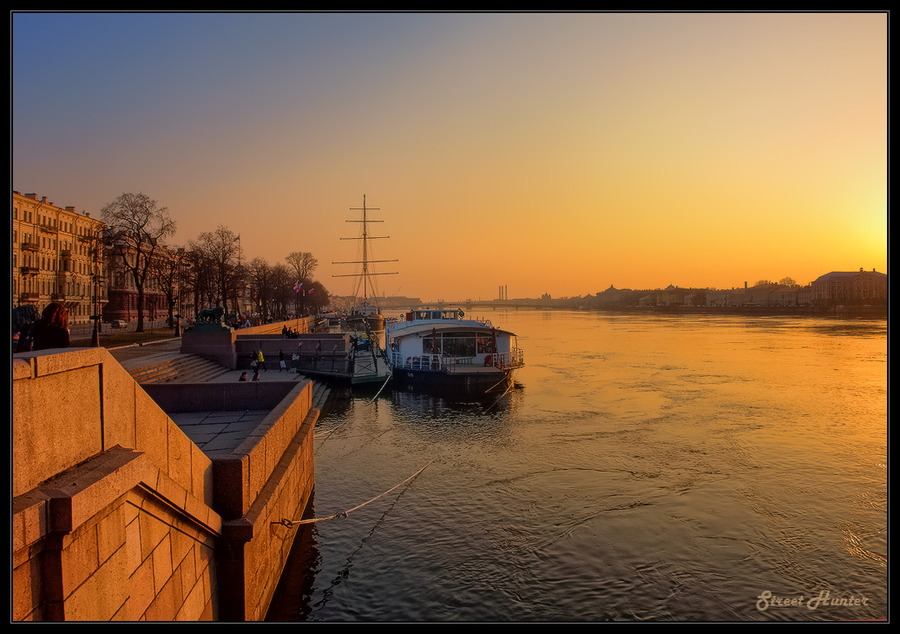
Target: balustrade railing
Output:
[{"x": 502, "y": 360}]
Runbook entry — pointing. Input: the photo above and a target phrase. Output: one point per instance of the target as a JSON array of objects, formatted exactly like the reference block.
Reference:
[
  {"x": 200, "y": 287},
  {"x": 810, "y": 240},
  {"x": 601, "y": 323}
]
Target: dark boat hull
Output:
[
  {"x": 365, "y": 323},
  {"x": 463, "y": 384}
]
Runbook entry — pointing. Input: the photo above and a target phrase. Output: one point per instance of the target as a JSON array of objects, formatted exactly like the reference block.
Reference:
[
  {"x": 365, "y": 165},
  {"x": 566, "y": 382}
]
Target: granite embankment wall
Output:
[
  {"x": 112, "y": 503},
  {"x": 298, "y": 325},
  {"x": 118, "y": 515},
  {"x": 266, "y": 478},
  {"x": 220, "y": 346},
  {"x": 329, "y": 352}
]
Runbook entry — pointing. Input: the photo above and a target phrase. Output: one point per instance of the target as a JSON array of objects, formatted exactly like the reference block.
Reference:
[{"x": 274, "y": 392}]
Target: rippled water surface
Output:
[{"x": 648, "y": 468}]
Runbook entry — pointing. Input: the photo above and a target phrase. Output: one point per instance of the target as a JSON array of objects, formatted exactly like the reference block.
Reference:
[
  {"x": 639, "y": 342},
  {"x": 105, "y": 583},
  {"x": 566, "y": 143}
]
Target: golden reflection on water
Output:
[{"x": 652, "y": 467}]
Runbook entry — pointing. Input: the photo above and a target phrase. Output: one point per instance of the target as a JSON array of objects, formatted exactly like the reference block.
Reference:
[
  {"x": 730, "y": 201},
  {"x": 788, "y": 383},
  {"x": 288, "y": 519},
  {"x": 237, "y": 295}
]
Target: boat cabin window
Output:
[
  {"x": 485, "y": 344},
  {"x": 434, "y": 314},
  {"x": 461, "y": 345}
]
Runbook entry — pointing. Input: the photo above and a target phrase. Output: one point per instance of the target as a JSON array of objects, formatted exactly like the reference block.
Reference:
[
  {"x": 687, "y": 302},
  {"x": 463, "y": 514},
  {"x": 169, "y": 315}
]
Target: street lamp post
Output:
[
  {"x": 178, "y": 281},
  {"x": 95, "y": 335}
]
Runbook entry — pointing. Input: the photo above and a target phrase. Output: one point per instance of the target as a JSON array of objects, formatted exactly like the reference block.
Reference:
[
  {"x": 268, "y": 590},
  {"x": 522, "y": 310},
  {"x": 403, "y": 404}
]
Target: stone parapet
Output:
[
  {"x": 199, "y": 397},
  {"x": 215, "y": 346},
  {"x": 300, "y": 324},
  {"x": 240, "y": 474},
  {"x": 258, "y": 543},
  {"x": 118, "y": 515},
  {"x": 112, "y": 515},
  {"x": 262, "y": 480},
  {"x": 115, "y": 539},
  {"x": 73, "y": 403}
]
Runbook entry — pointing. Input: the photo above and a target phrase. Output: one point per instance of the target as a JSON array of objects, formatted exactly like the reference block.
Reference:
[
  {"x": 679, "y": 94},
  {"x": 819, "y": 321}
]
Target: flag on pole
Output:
[
  {"x": 311, "y": 291},
  {"x": 298, "y": 287}
]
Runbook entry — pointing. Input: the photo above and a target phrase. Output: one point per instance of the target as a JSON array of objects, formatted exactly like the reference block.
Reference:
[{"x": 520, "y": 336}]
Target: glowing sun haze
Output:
[{"x": 550, "y": 153}]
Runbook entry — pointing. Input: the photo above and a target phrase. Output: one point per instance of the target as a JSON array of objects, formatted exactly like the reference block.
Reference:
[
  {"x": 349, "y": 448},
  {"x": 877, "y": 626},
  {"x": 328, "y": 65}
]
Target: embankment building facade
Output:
[
  {"x": 59, "y": 255},
  {"x": 56, "y": 257}
]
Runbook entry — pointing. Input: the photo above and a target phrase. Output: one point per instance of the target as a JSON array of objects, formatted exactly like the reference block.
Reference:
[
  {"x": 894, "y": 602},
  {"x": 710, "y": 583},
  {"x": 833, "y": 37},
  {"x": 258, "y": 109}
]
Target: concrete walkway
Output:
[{"x": 218, "y": 432}]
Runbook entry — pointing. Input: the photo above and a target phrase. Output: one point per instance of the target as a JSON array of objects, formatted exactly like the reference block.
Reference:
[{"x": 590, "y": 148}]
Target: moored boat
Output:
[{"x": 439, "y": 349}]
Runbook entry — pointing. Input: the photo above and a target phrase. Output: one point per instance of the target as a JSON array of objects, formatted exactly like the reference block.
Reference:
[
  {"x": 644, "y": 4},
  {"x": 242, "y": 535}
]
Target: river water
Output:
[{"x": 649, "y": 468}]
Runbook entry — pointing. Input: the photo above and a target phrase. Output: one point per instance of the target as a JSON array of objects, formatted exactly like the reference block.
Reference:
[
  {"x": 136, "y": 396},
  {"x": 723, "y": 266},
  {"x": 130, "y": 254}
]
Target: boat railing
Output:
[
  {"x": 515, "y": 358},
  {"x": 502, "y": 360}
]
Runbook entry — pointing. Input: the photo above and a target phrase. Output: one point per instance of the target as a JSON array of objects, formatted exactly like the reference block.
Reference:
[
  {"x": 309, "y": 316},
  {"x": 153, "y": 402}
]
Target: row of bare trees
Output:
[
  {"x": 210, "y": 271},
  {"x": 279, "y": 290}
]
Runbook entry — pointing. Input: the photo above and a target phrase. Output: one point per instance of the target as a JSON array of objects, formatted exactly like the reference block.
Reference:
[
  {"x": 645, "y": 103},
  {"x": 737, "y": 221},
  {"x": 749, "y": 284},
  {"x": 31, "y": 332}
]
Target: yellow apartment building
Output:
[{"x": 57, "y": 256}]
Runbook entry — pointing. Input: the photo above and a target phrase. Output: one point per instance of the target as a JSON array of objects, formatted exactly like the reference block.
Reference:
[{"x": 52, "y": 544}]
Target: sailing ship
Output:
[{"x": 364, "y": 321}]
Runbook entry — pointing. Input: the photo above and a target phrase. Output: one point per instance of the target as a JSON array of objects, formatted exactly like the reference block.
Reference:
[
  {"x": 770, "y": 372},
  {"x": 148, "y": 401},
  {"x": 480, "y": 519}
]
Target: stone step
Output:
[
  {"x": 182, "y": 369},
  {"x": 320, "y": 395}
]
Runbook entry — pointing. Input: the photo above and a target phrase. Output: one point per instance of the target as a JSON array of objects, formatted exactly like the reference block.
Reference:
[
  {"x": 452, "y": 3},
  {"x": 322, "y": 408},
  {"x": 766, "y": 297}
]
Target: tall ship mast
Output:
[{"x": 366, "y": 313}]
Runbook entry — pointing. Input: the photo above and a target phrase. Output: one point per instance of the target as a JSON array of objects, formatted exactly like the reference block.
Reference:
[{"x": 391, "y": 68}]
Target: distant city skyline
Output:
[
  {"x": 542, "y": 151},
  {"x": 513, "y": 298}
]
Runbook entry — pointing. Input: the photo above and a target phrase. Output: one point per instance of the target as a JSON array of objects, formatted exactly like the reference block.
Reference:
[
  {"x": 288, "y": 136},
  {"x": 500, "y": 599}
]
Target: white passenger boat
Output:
[{"x": 439, "y": 349}]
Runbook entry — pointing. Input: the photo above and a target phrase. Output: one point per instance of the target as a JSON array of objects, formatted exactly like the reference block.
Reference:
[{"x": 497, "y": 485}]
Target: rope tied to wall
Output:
[{"x": 344, "y": 514}]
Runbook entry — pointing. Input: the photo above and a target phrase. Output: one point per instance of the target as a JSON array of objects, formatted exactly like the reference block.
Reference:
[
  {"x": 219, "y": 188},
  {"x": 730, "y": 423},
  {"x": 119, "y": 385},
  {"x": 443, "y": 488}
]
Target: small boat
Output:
[
  {"x": 369, "y": 362},
  {"x": 439, "y": 349}
]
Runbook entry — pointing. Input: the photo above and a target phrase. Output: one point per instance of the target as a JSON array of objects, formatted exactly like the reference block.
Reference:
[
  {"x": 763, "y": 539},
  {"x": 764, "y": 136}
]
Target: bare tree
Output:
[
  {"x": 198, "y": 279},
  {"x": 260, "y": 274},
  {"x": 282, "y": 289},
  {"x": 303, "y": 265},
  {"x": 219, "y": 252},
  {"x": 138, "y": 226},
  {"x": 165, "y": 271}
]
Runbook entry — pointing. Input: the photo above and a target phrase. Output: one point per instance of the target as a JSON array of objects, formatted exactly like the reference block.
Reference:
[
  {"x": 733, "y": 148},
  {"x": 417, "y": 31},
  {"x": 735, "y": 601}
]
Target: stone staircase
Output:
[
  {"x": 320, "y": 394},
  {"x": 186, "y": 368},
  {"x": 189, "y": 368}
]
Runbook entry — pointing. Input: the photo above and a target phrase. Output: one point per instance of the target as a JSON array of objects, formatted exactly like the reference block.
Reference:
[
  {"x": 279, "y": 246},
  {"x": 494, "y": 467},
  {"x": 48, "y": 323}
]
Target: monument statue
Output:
[{"x": 209, "y": 320}]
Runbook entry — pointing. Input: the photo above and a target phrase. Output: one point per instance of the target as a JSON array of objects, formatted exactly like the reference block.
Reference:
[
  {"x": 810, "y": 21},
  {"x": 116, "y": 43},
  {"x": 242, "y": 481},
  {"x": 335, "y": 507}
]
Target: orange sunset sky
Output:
[{"x": 551, "y": 153}]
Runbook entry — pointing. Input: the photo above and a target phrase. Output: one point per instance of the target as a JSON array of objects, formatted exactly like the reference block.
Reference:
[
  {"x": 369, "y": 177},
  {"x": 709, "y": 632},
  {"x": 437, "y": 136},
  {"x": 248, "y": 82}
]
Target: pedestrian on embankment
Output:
[{"x": 52, "y": 329}]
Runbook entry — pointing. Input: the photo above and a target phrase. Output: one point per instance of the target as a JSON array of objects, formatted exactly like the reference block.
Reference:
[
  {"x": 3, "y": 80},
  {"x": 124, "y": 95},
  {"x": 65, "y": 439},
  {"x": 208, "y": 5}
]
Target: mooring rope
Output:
[
  {"x": 328, "y": 433},
  {"x": 489, "y": 407},
  {"x": 390, "y": 374},
  {"x": 344, "y": 514},
  {"x": 490, "y": 389}
]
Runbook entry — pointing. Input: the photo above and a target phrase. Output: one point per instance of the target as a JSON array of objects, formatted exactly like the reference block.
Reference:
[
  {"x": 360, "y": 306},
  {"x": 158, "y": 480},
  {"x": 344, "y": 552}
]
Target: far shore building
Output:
[
  {"x": 762, "y": 295},
  {"x": 832, "y": 289},
  {"x": 56, "y": 257},
  {"x": 613, "y": 296},
  {"x": 851, "y": 288}
]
